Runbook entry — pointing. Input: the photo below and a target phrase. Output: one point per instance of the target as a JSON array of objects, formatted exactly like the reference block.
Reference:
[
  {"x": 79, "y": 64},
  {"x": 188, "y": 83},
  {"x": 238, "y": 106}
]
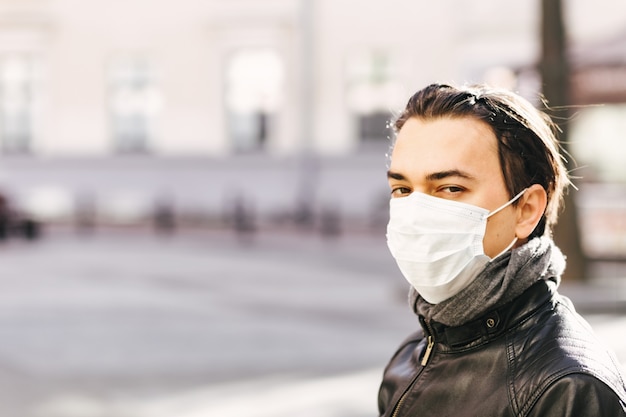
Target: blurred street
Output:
[{"x": 125, "y": 323}]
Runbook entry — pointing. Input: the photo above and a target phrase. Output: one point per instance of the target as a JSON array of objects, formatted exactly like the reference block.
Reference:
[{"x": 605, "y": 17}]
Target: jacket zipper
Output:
[
  {"x": 429, "y": 349},
  {"x": 424, "y": 362}
]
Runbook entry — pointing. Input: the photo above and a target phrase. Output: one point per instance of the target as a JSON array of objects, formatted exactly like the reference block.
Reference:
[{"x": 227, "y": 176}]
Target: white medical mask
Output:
[{"x": 438, "y": 243}]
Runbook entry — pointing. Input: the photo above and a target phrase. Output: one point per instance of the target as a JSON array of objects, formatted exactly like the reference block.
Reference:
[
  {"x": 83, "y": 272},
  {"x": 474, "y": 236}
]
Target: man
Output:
[{"x": 476, "y": 182}]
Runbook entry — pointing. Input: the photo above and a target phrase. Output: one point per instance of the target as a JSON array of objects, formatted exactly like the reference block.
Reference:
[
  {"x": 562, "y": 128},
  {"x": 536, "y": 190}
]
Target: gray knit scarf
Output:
[{"x": 501, "y": 281}]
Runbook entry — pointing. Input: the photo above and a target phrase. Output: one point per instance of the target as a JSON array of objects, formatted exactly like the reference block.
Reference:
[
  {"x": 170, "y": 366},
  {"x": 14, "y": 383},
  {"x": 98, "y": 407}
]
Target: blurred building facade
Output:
[
  {"x": 216, "y": 78},
  {"x": 200, "y": 101}
]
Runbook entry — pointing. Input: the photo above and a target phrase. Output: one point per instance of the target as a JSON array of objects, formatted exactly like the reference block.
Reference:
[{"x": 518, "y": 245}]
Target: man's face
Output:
[{"x": 455, "y": 159}]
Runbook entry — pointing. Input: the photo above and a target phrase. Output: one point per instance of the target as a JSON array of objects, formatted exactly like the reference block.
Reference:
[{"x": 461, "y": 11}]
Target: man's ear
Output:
[{"x": 530, "y": 208}]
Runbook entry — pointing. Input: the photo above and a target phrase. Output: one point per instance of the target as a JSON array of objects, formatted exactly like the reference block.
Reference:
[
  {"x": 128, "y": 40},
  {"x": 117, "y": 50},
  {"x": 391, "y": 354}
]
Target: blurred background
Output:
[{"x": 193, "y": 195}]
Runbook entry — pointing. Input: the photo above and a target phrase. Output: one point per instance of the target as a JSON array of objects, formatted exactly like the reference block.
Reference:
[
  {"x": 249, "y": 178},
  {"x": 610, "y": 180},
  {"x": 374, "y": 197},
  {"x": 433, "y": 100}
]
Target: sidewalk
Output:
[{"x": 349, "y": 395}]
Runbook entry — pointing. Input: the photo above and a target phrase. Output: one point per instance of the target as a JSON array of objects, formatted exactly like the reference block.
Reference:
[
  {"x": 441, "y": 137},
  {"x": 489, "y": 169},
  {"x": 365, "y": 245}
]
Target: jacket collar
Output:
[{"x": 494, "y": 322}]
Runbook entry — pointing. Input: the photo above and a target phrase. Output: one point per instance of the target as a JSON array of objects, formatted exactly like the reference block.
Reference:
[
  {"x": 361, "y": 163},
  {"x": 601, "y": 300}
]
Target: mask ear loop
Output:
[
  {"x": 505, "y": 250},
  {"x": 514, "y": 241},
  {"x": 508, "y": 203}
]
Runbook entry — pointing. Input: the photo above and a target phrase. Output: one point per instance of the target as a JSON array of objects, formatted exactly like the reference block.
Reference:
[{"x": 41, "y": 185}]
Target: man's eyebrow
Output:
[
  {"x": 395, "y": 176},
  {"x": 440, "y": 175},
  {"x": 449, "y": 173}
]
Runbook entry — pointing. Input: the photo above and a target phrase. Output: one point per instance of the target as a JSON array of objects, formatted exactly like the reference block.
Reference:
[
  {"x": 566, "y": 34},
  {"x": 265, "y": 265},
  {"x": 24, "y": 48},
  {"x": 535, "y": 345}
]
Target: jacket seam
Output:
[
  {"x": 511, "y": 380},
  {"x": 517, "y": 410}
]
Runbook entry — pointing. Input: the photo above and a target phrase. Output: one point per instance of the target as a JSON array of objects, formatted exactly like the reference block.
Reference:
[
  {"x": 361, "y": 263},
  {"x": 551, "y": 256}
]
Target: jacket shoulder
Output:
[
  {"x": 578, "y": 395},
  {"x": 556, "y": 351},
  {"x": 413, "y": 339}
]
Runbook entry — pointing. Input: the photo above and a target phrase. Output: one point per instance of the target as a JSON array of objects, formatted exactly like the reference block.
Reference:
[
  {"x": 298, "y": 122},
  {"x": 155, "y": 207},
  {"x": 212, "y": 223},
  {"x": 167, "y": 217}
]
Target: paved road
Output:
[{"x": 125, "y": 324}]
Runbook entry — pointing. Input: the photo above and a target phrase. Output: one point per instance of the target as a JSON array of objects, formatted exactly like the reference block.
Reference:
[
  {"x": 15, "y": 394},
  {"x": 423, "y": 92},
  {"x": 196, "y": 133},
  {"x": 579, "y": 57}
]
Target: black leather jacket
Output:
[{"x": 533, "y": 357}]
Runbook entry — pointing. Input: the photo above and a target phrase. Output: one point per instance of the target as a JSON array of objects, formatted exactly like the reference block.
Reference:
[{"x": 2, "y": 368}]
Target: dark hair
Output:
[{"x": 527, "y": 145}]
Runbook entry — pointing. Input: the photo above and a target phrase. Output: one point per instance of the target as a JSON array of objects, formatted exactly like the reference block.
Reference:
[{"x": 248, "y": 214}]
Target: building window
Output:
[
  {"x": 17, "y": 76},
  {"x": 374, "y": 92},
  {"x": 374, "y": 126},
  {"x": 134, "y": 104},
  {"x": 254, "y": 82}
]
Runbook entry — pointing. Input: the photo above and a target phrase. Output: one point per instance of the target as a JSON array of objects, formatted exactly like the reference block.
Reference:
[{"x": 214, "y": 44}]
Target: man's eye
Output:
[
  {"x": 400, "y": 191},
  {"x": 452, "y": 189}
]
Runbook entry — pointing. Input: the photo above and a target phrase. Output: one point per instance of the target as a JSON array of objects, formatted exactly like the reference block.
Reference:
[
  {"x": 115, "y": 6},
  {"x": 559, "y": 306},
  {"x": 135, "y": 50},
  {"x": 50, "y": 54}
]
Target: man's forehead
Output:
[{"x": 445, "y": 147}]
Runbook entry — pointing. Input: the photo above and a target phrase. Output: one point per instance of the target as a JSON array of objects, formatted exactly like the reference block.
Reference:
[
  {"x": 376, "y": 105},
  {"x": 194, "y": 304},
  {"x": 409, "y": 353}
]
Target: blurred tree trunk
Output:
[{"x": 555, "y": 77}]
